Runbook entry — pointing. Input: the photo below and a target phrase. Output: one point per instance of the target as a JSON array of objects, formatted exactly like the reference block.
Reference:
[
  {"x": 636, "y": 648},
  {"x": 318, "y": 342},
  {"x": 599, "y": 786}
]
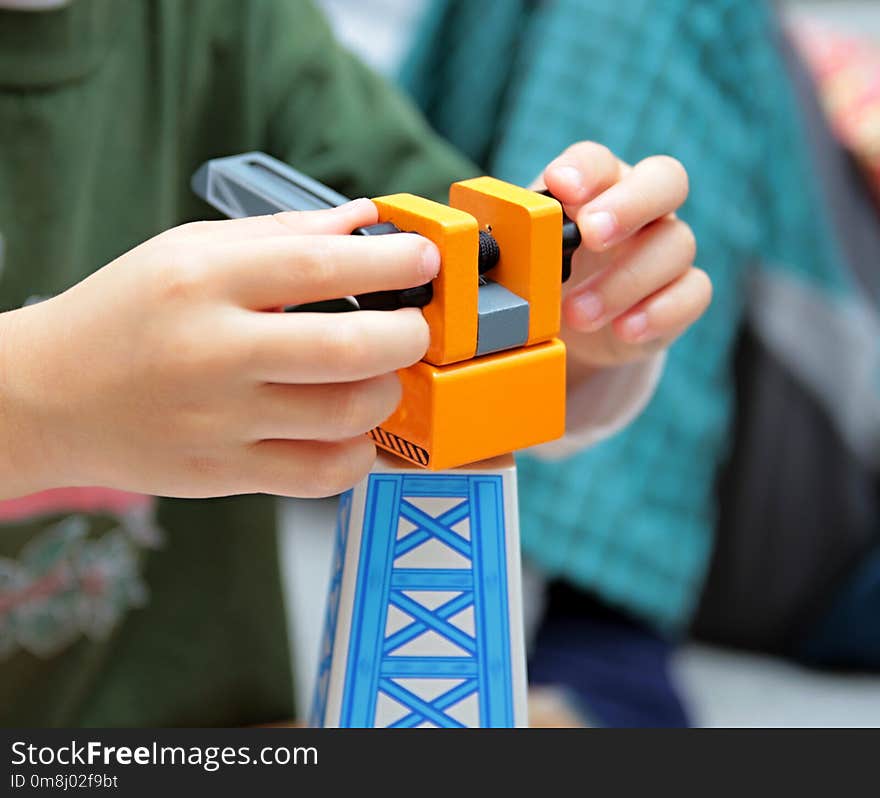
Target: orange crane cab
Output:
[{"x": 493, "y": 379}]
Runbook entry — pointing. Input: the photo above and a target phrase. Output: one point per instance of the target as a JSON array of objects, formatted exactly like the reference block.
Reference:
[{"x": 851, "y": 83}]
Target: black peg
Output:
[
  {"x": 416, "y": 297},
  {"x": 571, "y": 240}
]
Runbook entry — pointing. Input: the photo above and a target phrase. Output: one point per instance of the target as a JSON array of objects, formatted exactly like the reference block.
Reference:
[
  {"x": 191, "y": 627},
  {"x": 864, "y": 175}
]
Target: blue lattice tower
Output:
[
  {"x": 424, "y": 617},
  {"x": 332, "y": 612}
]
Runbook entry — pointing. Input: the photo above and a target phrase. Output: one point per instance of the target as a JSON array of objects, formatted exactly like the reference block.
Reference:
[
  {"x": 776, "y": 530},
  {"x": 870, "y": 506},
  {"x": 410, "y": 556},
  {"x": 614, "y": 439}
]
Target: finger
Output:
[
  {"x": 323, "y": 411},
  {"x": 656, "y": 256},
  {"x": 668, "y": 312},
  {"x": 333, "y": 347},
  {"x": 307, "y": 469},
  {"x": 291, "y": 270},
  {"x": 580, "y": 173},
  {"x": 340, "y": 220},
  {"x": 655, "y": 187}
]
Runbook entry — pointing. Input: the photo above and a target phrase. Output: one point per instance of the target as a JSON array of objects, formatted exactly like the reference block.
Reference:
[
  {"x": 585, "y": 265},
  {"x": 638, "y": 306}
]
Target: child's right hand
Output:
[{"x": 162, "y": 373}]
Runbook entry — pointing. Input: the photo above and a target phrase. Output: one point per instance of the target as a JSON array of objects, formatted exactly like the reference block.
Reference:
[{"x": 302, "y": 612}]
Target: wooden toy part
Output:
[
  {"x": 528, "y": 229},
  {"x": 462, "y": 413},
  {"x": 452, "y": 313}
]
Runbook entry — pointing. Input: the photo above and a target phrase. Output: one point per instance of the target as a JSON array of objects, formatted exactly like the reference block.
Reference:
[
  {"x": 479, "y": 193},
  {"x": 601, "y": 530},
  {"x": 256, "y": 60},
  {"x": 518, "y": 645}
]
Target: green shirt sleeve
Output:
[{"x": 333, "y": 117}]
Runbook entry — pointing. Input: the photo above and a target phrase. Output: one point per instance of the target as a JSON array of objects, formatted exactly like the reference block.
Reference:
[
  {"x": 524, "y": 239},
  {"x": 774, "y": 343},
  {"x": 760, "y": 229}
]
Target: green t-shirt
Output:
[{"x": 119, "y": 609}]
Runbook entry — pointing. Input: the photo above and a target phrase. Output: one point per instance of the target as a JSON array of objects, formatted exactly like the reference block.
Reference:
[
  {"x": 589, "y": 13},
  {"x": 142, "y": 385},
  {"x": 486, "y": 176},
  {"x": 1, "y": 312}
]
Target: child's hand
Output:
[
  {"x": 162, "y": 373},
  {"x": 634, "y": 288}
]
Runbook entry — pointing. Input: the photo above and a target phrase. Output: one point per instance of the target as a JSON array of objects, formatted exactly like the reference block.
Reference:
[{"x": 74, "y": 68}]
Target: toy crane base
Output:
[{"x": 424, "y": 623}]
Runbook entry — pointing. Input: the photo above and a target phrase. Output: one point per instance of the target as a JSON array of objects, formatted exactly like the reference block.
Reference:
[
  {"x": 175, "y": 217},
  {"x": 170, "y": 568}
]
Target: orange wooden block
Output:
[
  {"x": 462, "y": 413},
  {"x": 528, "y": 229},
  {"x": 452, "y": 313}
]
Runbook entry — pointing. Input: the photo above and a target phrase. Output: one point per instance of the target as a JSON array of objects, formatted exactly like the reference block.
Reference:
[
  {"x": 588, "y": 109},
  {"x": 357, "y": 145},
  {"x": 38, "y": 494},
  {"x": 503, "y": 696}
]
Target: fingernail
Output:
[
  {"x": 430, "y": 261},
  {"x": 636, "y": 326},
  {"x": 571, "y": 176},
  {"x": 603, "y": 225},
  {"x": 588, "y": 308}
]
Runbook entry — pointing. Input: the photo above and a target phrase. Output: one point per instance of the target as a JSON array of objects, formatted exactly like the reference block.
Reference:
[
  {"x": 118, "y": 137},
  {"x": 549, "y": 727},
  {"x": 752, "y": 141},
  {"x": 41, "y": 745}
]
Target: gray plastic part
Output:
[
  {"x": 254, "y": 183},
  {"x": 503, "y": 319}
]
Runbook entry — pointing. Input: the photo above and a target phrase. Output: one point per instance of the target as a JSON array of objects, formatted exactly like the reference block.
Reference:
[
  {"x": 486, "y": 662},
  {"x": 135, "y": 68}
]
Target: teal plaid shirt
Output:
[{"x": 513, "y": 83}]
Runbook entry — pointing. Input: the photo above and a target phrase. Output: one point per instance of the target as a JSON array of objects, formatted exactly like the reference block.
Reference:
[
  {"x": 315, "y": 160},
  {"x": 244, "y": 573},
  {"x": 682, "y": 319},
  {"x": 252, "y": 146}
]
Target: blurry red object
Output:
[{"x": 847, "y": 73}]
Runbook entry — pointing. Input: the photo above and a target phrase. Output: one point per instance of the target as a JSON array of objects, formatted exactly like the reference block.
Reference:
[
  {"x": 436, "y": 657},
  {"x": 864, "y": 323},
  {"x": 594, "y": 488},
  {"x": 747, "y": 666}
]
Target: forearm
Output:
[
  {"x": 23, "y": 458},
  {"x": 602, "y": 404},
  {"x": 577, "y": 373}
]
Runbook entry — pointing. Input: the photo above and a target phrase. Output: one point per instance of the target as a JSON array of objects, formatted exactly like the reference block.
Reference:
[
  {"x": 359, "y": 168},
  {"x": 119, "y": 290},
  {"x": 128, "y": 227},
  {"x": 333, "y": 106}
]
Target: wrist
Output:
[
  {"x": 577, "y": 371},
  {"x": 27, "y": 449}
]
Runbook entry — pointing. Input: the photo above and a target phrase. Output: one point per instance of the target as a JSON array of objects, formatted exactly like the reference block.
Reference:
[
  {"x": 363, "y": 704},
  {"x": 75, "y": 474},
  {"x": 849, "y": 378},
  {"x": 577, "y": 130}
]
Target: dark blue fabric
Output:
[
  {"x": 616, "y": 668},
  {"x": 848, "y": 635}
]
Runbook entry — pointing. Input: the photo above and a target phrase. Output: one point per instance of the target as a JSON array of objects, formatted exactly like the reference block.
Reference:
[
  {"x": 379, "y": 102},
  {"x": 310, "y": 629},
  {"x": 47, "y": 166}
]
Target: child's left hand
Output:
[{"x": 634, "y": 288}]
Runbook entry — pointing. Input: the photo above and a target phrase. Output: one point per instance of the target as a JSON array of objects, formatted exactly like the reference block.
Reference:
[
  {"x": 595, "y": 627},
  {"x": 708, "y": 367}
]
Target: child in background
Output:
[{"x": 161, "y": 374}]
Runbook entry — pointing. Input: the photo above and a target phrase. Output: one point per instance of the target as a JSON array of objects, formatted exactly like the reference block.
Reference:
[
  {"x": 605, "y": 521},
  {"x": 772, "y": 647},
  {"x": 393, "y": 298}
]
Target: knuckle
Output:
[
  {"x": 596, "y": 160},
  {"x": 675, "y": 169},
  {"x": 181, "y": 231},
  {"x": 315, "y": 265},
  {"x": 350, "y": 411},
  {"x": 704, "y": 286},
  {"x": 206, "y": 468},
  {"x": 180, "y": 277},
  {"x": 629, "y": 282},
  {"x": 686, "y": 241},
  {"x": 190, "y": 228},
  {"x": 346, "y": 346},
  {"x": 188, "y": 354},
  {"x": 590, "y": 150},
  {"x": 289, "y": 220},
  {"x": 344, "y": 411},
  {"x": 601, "y": 152}
]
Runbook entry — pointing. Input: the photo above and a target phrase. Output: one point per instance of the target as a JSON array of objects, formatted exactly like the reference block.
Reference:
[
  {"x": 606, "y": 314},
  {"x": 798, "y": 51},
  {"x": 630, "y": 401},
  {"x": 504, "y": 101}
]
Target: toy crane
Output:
[{"x": 424, "y": 623}]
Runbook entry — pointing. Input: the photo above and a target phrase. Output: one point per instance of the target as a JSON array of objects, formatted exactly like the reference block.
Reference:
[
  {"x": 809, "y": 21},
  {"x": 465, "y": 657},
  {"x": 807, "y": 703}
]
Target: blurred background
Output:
[
  {"x": 384, "y": 48},
  {"x": 738, "y": 578},
  {"x": 861, "y": 17}
]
